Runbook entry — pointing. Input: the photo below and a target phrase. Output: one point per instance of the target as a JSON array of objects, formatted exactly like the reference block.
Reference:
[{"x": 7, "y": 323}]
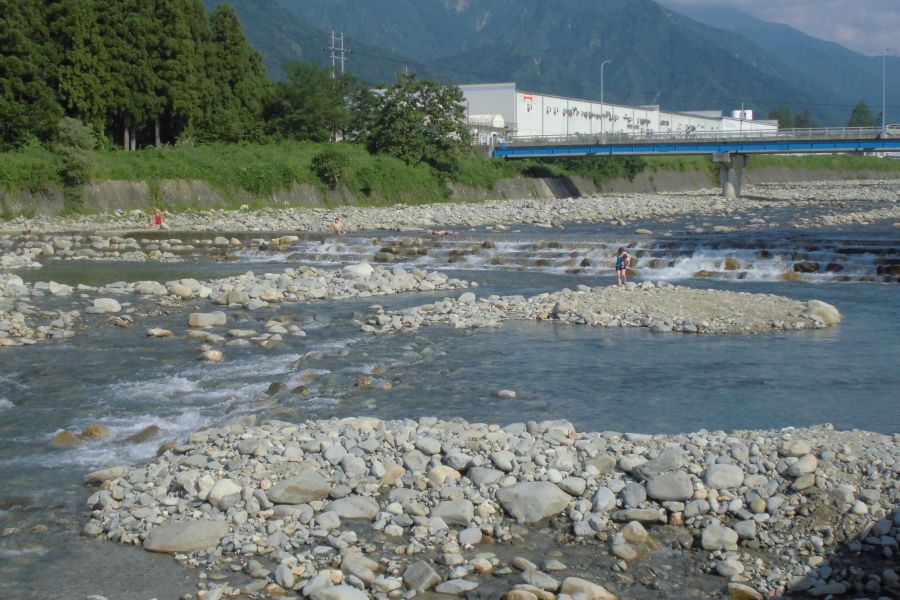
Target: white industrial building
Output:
[{"x": 499, "y": 109}]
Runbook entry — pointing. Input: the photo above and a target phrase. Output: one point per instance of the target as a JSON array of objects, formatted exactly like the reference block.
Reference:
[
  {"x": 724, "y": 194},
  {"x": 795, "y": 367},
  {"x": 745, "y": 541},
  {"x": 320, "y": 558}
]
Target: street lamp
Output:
[
  {"x": 603, "y": 64},
  {"x": 883, "y": 96}
]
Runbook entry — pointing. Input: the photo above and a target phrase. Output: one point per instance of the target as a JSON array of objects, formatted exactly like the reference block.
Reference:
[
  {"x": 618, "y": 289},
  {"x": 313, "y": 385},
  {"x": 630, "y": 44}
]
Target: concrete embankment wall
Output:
[{"x": 127, "y": 195}]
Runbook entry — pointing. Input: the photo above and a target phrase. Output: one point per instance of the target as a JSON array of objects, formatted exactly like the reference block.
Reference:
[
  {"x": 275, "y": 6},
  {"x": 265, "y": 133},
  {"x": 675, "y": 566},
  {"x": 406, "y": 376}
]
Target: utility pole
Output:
[
  {"x": 337, "y": 53},
  {"x": 883, "y": 95}
]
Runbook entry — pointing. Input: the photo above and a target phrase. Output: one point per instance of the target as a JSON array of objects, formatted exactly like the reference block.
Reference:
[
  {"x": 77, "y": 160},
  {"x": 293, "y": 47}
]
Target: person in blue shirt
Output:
[{"x": 622, "y": 260}]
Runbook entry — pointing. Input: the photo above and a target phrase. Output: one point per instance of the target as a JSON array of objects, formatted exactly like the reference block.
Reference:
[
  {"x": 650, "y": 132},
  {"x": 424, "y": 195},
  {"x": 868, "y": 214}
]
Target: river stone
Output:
[
  {"x": 793, "y": 447},
  {"x": 586, "y": 589},
  {"x": 822, "y": 312},
  {"x": 470, "y": 536},
  {"x": 213, "y": 319},
  {"x": 284, "y": 576},
  {"x": 222, "y": 489},
  {"x": 358, "y": 272},
  {"x": 635, "y": 533},
  {"x": 674, "y": 485},
  {"x": 339, "y": 592},
  {"x": 670, "y": 459},
  {"x": 724, "y": 476},
  {"x": 455, "y": 512},
  {"x": 65, "y": 439},
  {"x": 604, "y": 500},
  {"x": 633, "y": 494},
  {"x": 717, "y": 537},
  {"x": 484, "y": 476},
  {"x": 739, "y": 591},
  {"x": 105, "y": 305},
  {"x": 354, "y": 507},
  {"x": 306, "y": 486},
  {"x": 105, "y": 474},
  {"x": 533, "y": 502},
  {"x": 185, "y": 536},
  {"x": 540, "y": 580},
  {"x": 456, "y": 587},
  {"x": 604, "y": 463},
  {"x": 420, "y": 576},
  {"x": 805, "y": 465}
]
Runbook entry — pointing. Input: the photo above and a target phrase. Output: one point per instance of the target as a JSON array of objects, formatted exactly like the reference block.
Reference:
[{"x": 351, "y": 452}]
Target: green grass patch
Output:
[
  {"x": 835, "y": 162},
  {"x": 28, "y": 170}
]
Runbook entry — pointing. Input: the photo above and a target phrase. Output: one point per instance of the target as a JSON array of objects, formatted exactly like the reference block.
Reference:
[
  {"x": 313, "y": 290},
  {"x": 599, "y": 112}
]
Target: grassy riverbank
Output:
[{"x": 260, "y": 170}]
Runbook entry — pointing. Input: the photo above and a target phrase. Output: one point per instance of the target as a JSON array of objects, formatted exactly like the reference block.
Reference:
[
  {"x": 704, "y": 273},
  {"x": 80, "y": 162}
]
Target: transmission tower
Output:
[{"x": 337, "y": 53}]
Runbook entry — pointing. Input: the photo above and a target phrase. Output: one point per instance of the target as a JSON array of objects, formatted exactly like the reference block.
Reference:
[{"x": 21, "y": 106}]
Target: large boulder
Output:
[
  {"x": 305, "y": 487},
  {"x": 822, "y": 312},
  {"x": 716, "y": 536},
  {"x": 724, "y": 476},
  {"x": 588, "y": 589},
  {"x": 185, "y": 536},
  {"x": 674, "y": 485},
  {"x": 358, "y": 272},
  {"x": 533, "y": 502},
  {"x": 455, "y": 512},
  {"x": 213, "y": 319},
  {"x": 105, "y": 305},
  {"x": 354, "y": 507}
]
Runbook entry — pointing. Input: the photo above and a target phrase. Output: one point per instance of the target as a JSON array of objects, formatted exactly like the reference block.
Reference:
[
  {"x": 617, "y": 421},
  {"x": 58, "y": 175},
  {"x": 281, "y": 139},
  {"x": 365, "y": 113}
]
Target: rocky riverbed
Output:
[
  {"x": 24, "y": 322},
  {"x": 360, "y": 507},
  {"x": 842, "y": 199},
  {"x": 663, "y": 308}
]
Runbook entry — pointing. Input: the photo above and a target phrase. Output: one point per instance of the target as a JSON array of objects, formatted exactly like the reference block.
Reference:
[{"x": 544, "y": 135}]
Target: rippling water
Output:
[{"x": 600, "y": 379}]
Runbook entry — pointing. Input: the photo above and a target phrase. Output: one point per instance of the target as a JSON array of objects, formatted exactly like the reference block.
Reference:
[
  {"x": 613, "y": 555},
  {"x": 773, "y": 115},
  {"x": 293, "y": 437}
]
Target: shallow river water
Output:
[{"x": 600, "y": 379}]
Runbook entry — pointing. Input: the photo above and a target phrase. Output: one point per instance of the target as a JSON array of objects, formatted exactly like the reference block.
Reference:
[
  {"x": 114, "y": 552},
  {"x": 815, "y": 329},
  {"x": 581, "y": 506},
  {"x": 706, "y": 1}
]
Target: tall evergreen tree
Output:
[
  {"x": 861, "y": 116},
  {"x": 236, "y": 69},
  {"x": 28, "y": 106},
  {"x": 77, "y": 50}
]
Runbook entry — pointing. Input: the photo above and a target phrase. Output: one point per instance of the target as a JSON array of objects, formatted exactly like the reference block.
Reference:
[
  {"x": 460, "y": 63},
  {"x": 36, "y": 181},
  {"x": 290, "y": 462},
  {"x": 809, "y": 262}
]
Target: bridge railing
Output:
[{"x": 704, "y": 136}]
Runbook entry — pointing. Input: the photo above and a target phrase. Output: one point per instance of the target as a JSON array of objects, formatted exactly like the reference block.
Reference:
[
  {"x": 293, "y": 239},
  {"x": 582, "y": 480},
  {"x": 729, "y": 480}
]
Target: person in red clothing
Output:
[{"x": 156, "y": 219}]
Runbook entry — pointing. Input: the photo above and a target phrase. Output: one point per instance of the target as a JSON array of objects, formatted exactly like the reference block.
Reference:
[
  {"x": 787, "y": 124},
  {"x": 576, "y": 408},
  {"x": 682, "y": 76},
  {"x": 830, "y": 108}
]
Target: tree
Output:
[
  {"x": 235, "y": 111},
  {"x": 28, "y": 105},
  {"x": 861, "y": 116},
  {"x": 309, "y": 104},
  {"x": 421, "y": 121},
  {"x": 330, "y": 167},
  {"x": 805, "y": 121},
  {"x": 77, "y": 52},
  {"x": 782, "y": 114}
]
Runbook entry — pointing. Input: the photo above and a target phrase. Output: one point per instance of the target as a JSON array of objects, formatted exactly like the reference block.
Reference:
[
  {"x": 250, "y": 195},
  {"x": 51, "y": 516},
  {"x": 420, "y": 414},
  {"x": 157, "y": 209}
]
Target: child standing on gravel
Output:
[{"x": 622, "y": 260}]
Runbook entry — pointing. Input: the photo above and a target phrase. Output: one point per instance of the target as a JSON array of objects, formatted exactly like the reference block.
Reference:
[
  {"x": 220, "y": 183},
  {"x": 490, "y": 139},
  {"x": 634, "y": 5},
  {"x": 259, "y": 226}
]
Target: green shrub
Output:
[{"x": 330, "y": 167}]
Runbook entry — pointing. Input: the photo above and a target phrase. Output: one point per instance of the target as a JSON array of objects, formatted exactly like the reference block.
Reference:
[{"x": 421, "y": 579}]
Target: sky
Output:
[{"x": 866, "y": 26}]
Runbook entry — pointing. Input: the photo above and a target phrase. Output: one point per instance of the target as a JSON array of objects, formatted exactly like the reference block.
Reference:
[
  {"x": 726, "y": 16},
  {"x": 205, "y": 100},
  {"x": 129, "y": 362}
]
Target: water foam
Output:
[{"x": 5, "y": 404}]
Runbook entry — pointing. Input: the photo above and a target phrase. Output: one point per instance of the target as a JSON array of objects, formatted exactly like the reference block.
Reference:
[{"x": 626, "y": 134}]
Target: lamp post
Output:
[
  {"x": 603, "y": 64},
  {"x": 883, "y": 96}
]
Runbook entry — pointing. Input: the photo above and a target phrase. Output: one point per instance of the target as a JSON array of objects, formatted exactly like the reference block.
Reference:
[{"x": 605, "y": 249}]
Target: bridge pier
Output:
[{"x": 731, "y": 172}]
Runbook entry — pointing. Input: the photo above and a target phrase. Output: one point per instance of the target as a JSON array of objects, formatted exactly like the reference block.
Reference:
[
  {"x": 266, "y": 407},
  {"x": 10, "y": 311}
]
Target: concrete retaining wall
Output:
[{"x": 129, "y": 195}]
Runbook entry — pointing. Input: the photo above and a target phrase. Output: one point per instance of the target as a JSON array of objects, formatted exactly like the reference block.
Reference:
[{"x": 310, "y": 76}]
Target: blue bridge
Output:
[{"x": 728, "y": 149}]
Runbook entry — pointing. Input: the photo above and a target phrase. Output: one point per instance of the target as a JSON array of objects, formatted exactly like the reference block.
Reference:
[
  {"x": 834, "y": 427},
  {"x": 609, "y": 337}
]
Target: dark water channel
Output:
[{"x": 600, "y": 379}]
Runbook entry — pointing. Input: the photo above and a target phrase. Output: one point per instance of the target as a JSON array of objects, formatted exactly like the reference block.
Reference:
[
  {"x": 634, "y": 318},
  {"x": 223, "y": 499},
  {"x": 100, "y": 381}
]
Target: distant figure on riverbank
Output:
[
  {"x": 337, "y": 226},
  {"x": 27, "y": 230},
  {"x": 156, "y": 220},
  {"x": 622, "y": 260}
]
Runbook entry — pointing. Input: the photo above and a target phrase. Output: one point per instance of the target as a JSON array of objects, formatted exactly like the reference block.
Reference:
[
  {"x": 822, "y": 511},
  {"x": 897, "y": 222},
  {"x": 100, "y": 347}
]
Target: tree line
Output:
[
  {"x": 861, "y": 116},
  {"x": 151, "y": 72}
]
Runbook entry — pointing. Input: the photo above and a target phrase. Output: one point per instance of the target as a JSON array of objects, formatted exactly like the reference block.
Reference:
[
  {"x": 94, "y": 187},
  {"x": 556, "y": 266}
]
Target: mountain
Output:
[
  {"x": 282, "y": 38},
  {"x": 658, "y": 56},
  {"x": 845, "y": 76}
]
